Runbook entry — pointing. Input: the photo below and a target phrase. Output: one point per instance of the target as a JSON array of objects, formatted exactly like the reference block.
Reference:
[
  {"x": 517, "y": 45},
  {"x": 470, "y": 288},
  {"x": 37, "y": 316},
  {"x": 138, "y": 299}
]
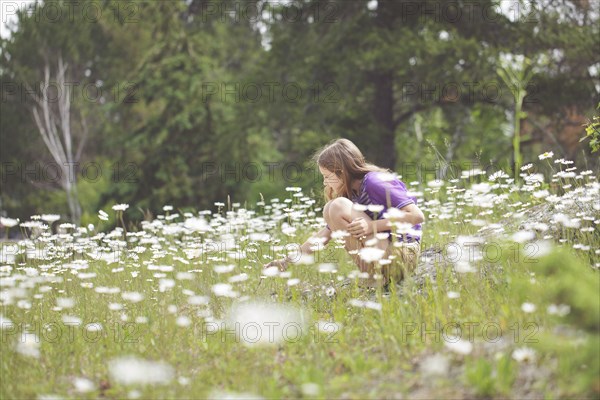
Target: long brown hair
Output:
[{"x": 343, "y": 158}]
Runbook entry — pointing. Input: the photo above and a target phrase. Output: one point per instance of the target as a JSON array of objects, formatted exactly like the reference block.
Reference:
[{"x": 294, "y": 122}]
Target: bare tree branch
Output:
[{"x": 54, "y": 122}]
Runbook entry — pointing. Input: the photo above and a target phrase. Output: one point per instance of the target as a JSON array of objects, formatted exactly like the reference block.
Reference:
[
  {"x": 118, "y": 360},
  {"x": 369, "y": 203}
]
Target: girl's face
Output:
[{"x": 331, "y": 180}]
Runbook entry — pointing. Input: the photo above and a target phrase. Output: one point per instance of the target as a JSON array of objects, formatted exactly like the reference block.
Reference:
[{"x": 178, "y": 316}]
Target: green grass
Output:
[{"x": 374, "y": 354}]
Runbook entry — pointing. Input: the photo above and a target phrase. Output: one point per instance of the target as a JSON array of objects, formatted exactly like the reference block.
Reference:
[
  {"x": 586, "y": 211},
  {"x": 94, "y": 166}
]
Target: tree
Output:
[
  {"x": 516, "y": 77},
  {"x": 46, "y": 58},
  {"x": 54, "y": 125}
]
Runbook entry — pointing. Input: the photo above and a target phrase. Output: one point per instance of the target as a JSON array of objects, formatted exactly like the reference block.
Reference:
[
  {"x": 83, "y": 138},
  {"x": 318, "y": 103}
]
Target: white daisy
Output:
[
  {"x": 371, "y": 254},
  {"x": 459, "y": 346},
  {"x": 528, "y": 307},
  {"x": 8, "y": 222},
  {"x": 548, "y": 154},
  {"x": 120, "y": 207},
  {"x": 132, "y": 370},
  {"x": 523, "y": 354}
]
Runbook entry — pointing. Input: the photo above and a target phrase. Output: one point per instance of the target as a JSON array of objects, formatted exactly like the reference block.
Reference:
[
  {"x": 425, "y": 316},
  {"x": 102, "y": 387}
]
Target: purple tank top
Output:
[{"x": 374, "y": 189}]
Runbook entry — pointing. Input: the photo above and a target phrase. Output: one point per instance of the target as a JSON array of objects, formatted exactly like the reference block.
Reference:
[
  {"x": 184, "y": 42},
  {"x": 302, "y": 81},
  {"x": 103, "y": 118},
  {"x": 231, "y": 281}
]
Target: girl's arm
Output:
[
  {"x": 305, "y": 249},
  {"x": 412, "y": 215}
]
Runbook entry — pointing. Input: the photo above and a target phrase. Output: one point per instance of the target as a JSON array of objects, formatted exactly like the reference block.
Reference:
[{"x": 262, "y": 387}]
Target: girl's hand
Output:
[
  {"x": 359, "y": 227},
  {"x": 281, "y": 264}
]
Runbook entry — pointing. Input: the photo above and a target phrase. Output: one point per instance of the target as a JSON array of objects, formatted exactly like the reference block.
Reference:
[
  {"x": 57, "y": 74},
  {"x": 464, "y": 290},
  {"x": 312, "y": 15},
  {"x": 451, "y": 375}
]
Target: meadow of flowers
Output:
[{"x": 504, "y": 303}]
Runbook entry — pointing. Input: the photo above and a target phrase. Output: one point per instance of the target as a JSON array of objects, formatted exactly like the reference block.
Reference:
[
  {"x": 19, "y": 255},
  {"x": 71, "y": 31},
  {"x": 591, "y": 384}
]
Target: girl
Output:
[{"x": 350, "y": 180}]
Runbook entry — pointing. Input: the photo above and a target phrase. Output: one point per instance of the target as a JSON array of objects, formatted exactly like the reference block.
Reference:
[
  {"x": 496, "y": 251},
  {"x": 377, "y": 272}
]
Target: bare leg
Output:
[
  {"x": 406, "y": 260},
  {"x": 338, "y": 213}
]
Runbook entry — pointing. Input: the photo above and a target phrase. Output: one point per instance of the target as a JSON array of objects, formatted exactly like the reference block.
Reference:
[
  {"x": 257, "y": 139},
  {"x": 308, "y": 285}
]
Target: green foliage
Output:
[
  {"x": 480, "y": 376},
  {"x": 506, "y": 374},
  {"x": 565, "y": 279},
  {"x": 517, "y": 78},
  {"x": 489, "y": 378},
  {"x": 592, "y": 132}
]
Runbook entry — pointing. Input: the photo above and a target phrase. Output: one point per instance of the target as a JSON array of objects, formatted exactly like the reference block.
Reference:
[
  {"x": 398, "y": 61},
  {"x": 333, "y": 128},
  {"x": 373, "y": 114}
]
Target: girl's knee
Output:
[
  {"x": 340, "y": 205},
  {"x": 326, "y": 209},
  {"x": 337, "y": 212},
  {"x": 326, "y": 212}
]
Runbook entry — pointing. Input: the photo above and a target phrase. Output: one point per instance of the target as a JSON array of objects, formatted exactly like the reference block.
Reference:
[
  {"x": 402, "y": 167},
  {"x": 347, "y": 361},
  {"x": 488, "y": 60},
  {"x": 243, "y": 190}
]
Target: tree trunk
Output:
[
  {"x": 384, "y": 118},
  {"x": 54, "y": 122},
  {"x": 455, "y": 141},
  {"x": 383, "y": 81}
]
